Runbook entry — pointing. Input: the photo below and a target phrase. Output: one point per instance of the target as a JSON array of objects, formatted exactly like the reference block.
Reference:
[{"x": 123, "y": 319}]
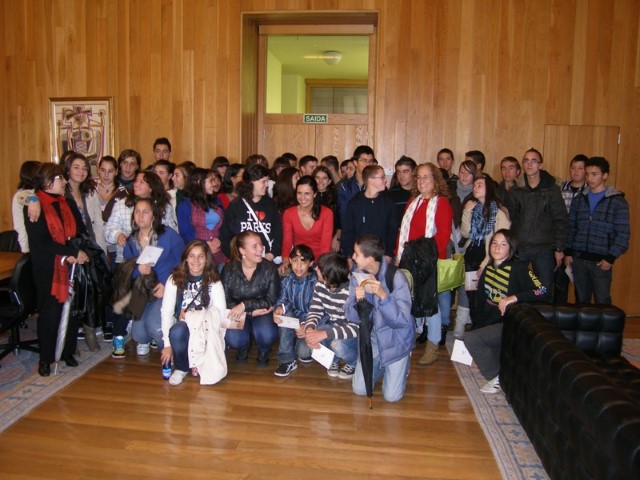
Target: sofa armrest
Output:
[{"x": 594, "y": 329}]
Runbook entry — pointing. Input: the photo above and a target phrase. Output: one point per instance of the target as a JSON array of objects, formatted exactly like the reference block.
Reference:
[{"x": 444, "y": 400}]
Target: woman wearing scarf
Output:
[
  {"x": 429, "y": 215},
  {"x": 51, "y": 255},
  {"x": 483, "y": 215}
]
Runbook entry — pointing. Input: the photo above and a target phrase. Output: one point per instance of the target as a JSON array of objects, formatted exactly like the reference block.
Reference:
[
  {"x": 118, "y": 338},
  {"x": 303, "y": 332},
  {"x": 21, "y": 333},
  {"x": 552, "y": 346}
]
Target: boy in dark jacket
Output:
[{"x": 598, "y": 233}]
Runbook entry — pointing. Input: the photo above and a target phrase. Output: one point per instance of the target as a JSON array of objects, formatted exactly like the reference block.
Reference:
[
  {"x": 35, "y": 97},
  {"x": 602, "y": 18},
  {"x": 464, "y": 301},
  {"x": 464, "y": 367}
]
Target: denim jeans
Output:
[
  {"x": 590, "y": 280},
  {"x": 395, "y": 375},
  {"x": 118, "y": 320},
  {"x": 291, "y": 345},
  {"x": 179, "y": 338},
  {"x": 262, "y": 328},
  {"x": 444, "y": 306},
  {"x": 434, "y": 324},
  {"x": 150, "y": 324},
  {"x": 544, "y": 264},
  {"x": 346, "y": 349}
]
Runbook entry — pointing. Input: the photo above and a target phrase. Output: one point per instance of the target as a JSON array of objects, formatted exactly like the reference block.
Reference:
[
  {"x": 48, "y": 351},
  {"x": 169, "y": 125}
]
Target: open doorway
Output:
[{"x": 338, "y": 51}]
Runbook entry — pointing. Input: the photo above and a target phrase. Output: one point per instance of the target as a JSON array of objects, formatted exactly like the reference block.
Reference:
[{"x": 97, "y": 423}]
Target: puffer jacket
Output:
[
  {"x": 260, "y": 292},
  {"x": 393, "y": 324},
  {"x": 538, "y": 215},
  {"x": 603, "y": 234}
]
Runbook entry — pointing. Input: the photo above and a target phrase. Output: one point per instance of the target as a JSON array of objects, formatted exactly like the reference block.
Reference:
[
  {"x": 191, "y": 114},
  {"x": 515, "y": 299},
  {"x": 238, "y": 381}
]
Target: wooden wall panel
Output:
[{"x": 487, "y": 74}]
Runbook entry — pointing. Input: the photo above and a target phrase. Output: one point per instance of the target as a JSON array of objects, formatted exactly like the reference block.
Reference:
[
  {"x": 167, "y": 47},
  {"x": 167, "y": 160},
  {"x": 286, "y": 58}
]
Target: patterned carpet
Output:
[
  {"x": 514, "y": 453},
  {"x": 22, "y": 389}
]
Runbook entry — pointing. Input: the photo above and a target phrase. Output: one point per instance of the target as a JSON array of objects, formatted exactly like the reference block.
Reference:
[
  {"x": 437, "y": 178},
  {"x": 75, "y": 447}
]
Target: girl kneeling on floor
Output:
[{"x": 193, "y": 325}]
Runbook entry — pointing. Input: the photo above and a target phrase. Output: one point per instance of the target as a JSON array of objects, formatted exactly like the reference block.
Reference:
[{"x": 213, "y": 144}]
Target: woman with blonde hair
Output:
[{"x": 429, "y": 215}]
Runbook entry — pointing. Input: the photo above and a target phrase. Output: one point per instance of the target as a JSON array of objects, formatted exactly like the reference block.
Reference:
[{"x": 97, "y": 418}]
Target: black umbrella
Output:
[{"x": 366, "y": 354}]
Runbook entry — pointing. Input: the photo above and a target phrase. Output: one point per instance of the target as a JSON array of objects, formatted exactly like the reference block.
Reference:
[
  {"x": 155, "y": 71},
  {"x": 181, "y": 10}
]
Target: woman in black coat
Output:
[
  {"x": 251, "y": 286},
  {"x": 52, "y": 255}
]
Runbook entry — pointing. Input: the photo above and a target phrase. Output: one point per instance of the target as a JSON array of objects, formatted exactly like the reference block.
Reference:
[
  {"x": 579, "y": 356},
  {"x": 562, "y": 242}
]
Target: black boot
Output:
[
  {"x": 443, "y": 338},
  {"x": 423, "y": 336}
]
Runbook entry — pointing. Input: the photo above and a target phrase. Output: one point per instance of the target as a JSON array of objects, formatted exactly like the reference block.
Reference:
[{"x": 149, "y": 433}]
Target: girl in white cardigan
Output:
[{"x": 193, "y": 318}]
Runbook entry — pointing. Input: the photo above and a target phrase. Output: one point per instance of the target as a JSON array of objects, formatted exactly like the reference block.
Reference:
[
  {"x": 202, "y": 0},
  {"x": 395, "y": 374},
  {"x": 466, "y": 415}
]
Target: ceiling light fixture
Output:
[{"x": 332, "y": 57}]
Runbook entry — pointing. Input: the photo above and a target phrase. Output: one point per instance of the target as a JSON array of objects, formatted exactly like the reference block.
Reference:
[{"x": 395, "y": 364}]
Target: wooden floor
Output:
[{"x": 121, "y": 420}]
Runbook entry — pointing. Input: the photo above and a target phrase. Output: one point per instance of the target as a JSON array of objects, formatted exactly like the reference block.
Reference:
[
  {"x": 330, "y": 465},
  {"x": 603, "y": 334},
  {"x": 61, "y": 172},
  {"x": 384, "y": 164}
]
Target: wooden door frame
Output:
[{"x": 309, "y": 23}]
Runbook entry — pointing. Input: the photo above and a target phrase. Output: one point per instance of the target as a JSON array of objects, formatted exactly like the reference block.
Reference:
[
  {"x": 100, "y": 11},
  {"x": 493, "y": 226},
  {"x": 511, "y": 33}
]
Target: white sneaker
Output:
[
  {"x": 143, "y": 349},
  {"x": 492, "y": 386},
  {"x": 177, "y": 377}
]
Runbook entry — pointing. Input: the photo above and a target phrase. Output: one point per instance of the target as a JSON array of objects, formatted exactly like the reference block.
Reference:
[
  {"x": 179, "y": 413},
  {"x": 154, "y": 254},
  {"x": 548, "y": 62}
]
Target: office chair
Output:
[{"x": 17, "y": 305}]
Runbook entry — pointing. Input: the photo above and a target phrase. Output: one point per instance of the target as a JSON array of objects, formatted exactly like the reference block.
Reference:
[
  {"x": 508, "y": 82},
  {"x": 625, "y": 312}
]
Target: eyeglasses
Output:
[
  {"x": 379, "y": 177},
  {"x": 58, "y": 177},
  {"x": 530, "y": 161}
]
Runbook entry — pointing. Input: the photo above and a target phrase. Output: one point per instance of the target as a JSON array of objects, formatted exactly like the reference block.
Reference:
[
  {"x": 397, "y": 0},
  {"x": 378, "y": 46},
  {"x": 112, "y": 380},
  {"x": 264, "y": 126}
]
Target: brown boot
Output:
[
  {"x": 90, "y": 338},
  {"x": 430, "y": 354}
]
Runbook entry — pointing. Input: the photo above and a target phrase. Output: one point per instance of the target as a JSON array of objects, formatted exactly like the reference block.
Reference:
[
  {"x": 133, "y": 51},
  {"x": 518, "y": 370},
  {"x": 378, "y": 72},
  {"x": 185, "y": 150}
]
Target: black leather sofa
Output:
[{"x": 575, "y": 396}]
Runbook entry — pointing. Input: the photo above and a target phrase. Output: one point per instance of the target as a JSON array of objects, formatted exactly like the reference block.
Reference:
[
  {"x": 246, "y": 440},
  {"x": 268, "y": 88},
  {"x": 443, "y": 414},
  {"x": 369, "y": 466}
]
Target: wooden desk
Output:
[{"x": 8, "y": 261}]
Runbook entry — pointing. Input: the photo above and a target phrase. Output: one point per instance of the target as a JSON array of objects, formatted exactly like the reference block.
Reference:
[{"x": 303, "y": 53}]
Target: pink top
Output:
[{"x": 317, "y": 238}]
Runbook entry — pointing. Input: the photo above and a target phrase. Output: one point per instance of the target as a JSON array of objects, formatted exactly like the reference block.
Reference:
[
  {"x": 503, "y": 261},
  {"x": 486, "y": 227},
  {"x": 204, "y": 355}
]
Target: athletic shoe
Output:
[
  {"x": 346, "y": 372},
  {"x": 177, "y": 377},
  {"x": 334, "y": 369},
  {"x": 306, "y": 361},
  {"x": 492, "y": 386},
  {"x": 284, "y": 369},
  {"x": 118, "y": 347},
  {"x": 153, "y": 344},
  {"x": 142, "y": 349}
]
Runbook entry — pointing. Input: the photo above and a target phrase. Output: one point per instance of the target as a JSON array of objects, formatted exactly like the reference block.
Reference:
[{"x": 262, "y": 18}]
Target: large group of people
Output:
[{"x": 209, "y": 259}]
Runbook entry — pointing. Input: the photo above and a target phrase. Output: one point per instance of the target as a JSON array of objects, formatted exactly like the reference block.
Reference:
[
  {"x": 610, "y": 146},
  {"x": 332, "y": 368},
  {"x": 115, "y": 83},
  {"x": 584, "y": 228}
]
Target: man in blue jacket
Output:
[
  {"x": 393, "y": 332},
  {"x": 598, "y": 233}
]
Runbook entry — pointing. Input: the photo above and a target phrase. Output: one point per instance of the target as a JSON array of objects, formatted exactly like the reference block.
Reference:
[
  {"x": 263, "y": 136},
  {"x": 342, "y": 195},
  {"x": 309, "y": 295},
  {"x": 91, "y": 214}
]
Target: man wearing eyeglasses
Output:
[
  {"x": 538, "y": 218},
  {"x": 371, "y": 212}
]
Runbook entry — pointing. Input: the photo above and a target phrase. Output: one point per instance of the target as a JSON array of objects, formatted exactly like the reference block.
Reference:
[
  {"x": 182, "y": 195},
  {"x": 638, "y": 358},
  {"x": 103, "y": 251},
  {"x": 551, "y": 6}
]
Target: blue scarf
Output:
[{"x": 481, "y": 228}]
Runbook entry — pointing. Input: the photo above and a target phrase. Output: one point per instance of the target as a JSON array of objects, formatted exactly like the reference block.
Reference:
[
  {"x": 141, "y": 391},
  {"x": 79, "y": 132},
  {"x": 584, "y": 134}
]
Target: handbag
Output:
[{"x": 450, "y": 272}]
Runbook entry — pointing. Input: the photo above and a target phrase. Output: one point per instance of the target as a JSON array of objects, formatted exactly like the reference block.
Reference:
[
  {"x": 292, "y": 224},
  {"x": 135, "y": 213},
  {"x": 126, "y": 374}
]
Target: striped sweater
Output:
[{"x": 328, "y": 306}]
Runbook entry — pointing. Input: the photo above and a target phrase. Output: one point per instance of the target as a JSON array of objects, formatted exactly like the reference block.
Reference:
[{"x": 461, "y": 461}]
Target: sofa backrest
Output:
[{"x": 594, "y": 329}]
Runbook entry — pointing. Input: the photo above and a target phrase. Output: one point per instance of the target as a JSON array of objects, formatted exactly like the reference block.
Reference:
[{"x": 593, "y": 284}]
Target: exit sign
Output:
[{"x": 315, "y": 118}]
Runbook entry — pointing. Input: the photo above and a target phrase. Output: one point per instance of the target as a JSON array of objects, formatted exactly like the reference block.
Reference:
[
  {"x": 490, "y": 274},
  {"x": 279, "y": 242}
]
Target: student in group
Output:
[
  {"x": 129, "y": 164},
  {"x": 392, "y": 335},
  {"x": 194, "y": 285},
  {"x": 326, "y": 322},
  {"x": 371, "y": 212},
  {"x": 308, "y": 222},
  {"x": 147, "y": 229},
  {"x": 161, "y": 149},
  {"x": 347, "y": 169},
  {"x": 307, "y": 165},
  {"x": 164, "y": 169},
  {"x": 294, "y": 300},
  {"x": 293, "y": 160},
  {"x": 199, "y": 214},
  {"x": 483, "y": 215},
  {"x": 220, "y": 165},
  {"x": 479, "y": 159},
  {"x": 445, "y": 160},
  {"x": 256, "y": 159},
  {"x": 430, "y": 215},
  {"x": 504, "y": 282},
  {"x": 569, "y": 189},
  {"x": 278, "y": 166},
  {"x": 330, "y": 162},
  {"x": 251, "y": 286},
  {"x": 510, "y": 171},
  {"x": 284, "y": 188},
  {"x": 25, "y": 196},
  {"x": 180, "y": 178},
  {"x": 598, "y": 234},
  {"x": 253, "y": 210},
  {"x": 402, "y": 184},
  {"x": 363, "y": 156},
  {"x": 538, "y": 218},
  {"x": 231, "y": 178}
]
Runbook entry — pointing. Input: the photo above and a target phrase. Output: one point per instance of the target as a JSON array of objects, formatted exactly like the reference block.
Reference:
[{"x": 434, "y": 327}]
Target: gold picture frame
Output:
[{"x": 82, "y": 124}]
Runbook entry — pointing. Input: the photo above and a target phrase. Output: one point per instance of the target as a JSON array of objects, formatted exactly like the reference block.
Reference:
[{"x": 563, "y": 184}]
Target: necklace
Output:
[{"x": 106, "y": 189}]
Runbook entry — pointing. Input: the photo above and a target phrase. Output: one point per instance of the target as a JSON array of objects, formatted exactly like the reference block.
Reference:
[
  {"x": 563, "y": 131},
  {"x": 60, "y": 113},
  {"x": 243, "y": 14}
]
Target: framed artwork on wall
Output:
[{"x": 82, "y": 124}]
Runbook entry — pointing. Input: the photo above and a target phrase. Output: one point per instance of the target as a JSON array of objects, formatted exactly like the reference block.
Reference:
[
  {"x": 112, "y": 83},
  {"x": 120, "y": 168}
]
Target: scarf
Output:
[
  {"x": 430, "y": 227},
  {"x": 480, "y": 228},
  {"x": 461, "y": 191},
  {"x": 61, "y": 230}
]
